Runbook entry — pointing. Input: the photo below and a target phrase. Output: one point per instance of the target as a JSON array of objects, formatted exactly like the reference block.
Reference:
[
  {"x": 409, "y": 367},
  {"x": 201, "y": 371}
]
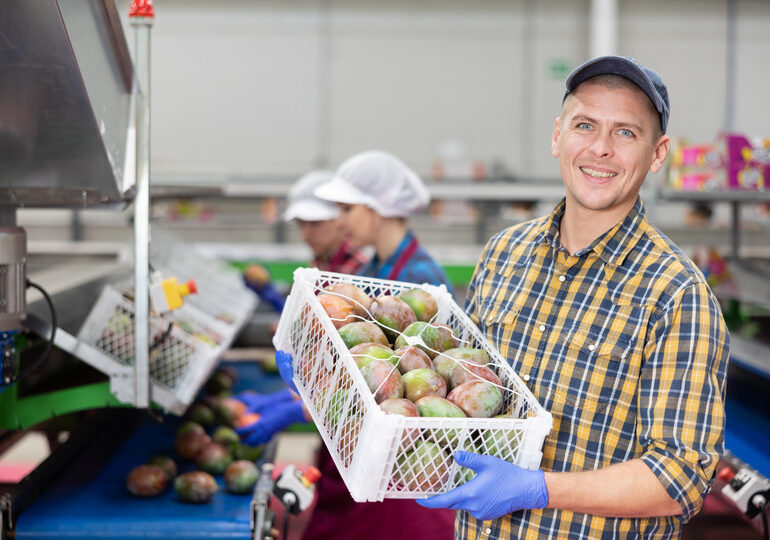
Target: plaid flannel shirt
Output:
[{"x": 624, "y": 343}]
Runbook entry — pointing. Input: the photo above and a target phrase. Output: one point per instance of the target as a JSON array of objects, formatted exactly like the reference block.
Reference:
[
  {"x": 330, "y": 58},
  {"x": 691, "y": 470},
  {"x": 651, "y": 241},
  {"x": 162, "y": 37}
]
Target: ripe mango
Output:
[
  {"x": 472, "y": 372},
  {"x": 477, "y": 399},
  {"x": 360, "y": 301},
  {"x": 229, "y": 410},
  {"x": 383, "y": 379},
  {"x": 146, "y": 481},
  {"x": 425, "y": 468},
  {"x": 339, "y": 310},
  {"x": 195, "y": 487},
  {"x": 188, "y": 444},
  {"x": 240, "y": 476},
  {"x": 166, "y": 463},
  {"x": 213, "y": 458},
  {"x": 432, "y": 343},
  {"x": 410, "y": 358},
  {"x": 448, "y": 360},
  {"x": 201, "y": 414},
  {"x": 423, "y": 382},
  {"x": 422, "y": 303},
  {"x": 363, "y": 353},
  {"x": 393, "y": 314},
  {"x": 359, "y": 332}
]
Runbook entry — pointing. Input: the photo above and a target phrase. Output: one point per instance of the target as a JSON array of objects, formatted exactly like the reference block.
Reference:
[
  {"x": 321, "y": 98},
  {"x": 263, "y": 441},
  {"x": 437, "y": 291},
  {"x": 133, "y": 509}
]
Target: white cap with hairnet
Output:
[
  {"x": 380, "y": 181},
  {"x": 304, "y": 204}
]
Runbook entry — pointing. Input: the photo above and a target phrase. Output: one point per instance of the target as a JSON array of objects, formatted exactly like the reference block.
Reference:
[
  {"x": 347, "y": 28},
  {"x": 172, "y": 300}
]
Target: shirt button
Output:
[
  {"x": 488, "y": 530},
  {"x": 490, "y": 318},
  {"x": 541, "y": 328},
  {"x": 562, "y": 278},
  {"x": 526, "y": 378},
  {"x": 591, "y": 347}
]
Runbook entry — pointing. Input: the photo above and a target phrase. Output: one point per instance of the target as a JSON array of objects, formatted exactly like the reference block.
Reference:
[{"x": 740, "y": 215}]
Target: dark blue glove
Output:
[
  {"x": 268, "y": 293},
  {"x": 498, "y": 488},
  {"x": 283, "y": 361},
  {"x": 257, "y": 402},
  {"x": 272, "y": 421}
]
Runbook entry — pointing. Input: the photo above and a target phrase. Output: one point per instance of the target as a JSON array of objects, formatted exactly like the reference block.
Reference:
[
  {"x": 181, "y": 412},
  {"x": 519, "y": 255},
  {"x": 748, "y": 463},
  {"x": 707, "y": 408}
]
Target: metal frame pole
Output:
[{"x": 142, "y": 16}]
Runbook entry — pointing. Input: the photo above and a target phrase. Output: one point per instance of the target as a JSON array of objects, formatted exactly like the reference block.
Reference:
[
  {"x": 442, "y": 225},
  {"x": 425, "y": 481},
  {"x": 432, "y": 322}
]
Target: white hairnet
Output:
[
  {"x": 378, "y": 180},
  {"x": 304, "y": 204}
]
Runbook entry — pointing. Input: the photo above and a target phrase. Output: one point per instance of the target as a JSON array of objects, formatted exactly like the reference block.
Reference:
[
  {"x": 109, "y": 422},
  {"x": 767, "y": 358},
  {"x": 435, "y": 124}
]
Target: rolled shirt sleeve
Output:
[{"x": 681, "y": 395}]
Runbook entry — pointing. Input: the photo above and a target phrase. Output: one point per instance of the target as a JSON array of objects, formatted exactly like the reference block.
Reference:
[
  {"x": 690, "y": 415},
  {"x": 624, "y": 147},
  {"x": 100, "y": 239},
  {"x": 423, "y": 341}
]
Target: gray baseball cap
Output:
[{"x": 643, "y": 77}]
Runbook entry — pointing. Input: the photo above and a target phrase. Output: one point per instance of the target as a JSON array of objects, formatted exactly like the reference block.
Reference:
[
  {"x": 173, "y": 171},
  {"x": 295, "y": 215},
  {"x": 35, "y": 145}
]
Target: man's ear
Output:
[
  {"x": 555, "y": 138},
  {"x": 660, "y": 153}
]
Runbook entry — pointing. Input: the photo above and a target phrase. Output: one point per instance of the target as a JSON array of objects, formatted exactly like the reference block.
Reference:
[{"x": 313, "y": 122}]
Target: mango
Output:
[
  {"x": 501, "y": 443},
  {"x": 229, "y": 410},
  {"x": 195, "y": 487},
  {"x": 423, "y": 382},
  {"x": 447, "y": 361},
  {"x": 360, "y": 301},
  {"x": 337, "y": 408},
  {"x": 355, "y": 333},
  {"x": 430, "y": 342},
  {"x": 438, "y": 407},
  {"x": 422, "y": 303},
  {"x": 164, "y": 462},
  {"x": 425, "y": 468},
  {"x": 401, "y": 406},
  {"x": 201, "y": 414},
  {"x": 383, "y": 379},
  {"x": 410, "y": 358},
  {"x": 222, "y": 380},
  {"x": 188, "y": 444},
  {"x": 213, "y": 458},
  {"x": 241, "y": 476},
  {"x": 189, "y": 425},
  {"x": 450, "y": 340},
  {"x": 339, "y": 310},
  {"x": 146, "y": 481},
  {"x": 477, "y": 399},
  {"x": 472, "y": 372},
  {"x": 226, "y": 436},
  {"x": 393, "y": 314},
  {"x": 363, "y": 353}
]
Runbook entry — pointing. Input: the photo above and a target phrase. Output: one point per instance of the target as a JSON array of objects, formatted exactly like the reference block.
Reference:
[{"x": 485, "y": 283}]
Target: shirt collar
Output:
[
  {"x": 613, "y": 246},
  {"x": 384, "y": 266}
]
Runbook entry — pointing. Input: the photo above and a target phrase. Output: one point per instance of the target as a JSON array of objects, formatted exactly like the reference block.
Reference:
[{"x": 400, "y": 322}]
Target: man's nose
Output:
[{"x": 602, "y": 144}]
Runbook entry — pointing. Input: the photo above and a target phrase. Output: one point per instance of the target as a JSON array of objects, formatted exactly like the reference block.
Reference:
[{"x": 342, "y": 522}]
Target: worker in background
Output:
[
  {"x": 376, "y": 192},
  {"x": 614, "y": 329},
  {"x": 320, "y": 229}
]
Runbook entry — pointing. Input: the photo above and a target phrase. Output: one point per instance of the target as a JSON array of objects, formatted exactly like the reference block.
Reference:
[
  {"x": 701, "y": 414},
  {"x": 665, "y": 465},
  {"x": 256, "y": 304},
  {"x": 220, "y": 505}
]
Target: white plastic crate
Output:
[
  {"x": 178, "y": 366},
  {"x": 381, "y": 455}
]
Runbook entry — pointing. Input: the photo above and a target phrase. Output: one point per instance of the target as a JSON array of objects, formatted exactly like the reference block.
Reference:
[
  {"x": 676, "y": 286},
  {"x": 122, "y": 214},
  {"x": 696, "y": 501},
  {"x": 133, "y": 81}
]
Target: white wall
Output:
[{"x": 249, "y": 88}]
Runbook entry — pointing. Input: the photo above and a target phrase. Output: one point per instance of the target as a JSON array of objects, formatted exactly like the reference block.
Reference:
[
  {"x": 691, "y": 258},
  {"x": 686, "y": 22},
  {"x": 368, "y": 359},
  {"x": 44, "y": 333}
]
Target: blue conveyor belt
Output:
[{"x": 90, "y": 501}]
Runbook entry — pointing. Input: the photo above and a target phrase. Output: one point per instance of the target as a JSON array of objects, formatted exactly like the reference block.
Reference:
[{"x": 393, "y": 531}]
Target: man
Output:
[{"x": 614, "y": 330}]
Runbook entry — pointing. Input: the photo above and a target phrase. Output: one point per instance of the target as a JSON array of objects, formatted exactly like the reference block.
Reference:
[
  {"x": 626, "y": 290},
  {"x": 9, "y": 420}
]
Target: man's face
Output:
[
  {"x": 607, "y": 141},
  {"x": 359, "y": 224},
  {"x": 323, "y": 237}
]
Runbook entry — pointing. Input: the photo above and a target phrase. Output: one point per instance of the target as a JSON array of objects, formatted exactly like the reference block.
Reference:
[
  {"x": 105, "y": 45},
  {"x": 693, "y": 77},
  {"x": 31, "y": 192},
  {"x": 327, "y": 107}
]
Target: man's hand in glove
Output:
[
  {"x": 256, "y": 402},
  {"x": 498, "y": 488},
  {"x": 273, "y": 420}
]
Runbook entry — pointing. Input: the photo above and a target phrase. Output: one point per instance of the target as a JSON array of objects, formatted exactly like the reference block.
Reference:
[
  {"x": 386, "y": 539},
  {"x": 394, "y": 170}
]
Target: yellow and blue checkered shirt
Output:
[{"x": 624, "y": 343}]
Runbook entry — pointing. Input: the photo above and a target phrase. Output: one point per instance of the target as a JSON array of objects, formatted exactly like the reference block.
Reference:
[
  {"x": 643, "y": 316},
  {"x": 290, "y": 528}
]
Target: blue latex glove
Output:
[
  {"x": 272, "y": 421},
  {"x": 267, "y": 293},
  {"x": 258, "y": 402},
  {"x": 283, "y": 362},
  {"x": 498, "y": 488}
]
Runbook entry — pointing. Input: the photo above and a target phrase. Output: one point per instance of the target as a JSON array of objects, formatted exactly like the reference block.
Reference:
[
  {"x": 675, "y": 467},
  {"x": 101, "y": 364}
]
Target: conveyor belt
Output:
[{"x": 90, "y": 501}]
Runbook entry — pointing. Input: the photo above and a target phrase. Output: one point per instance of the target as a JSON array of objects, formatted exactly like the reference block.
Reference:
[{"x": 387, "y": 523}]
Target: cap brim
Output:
[
  {"x": 340, "y": 191},
  {"x": 310, "y": 211},
  {"x": 615, "y": 66}
]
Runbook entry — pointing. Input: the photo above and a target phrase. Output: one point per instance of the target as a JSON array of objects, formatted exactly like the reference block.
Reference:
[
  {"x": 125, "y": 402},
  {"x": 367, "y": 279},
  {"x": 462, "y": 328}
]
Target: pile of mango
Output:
[{"x": 215, "y": 452}]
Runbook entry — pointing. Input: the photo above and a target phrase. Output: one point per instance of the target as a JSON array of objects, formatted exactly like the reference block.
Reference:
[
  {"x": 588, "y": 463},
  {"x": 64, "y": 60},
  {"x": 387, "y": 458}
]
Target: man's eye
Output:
[
  {"x": 584, "y": 125},
  {"x": 626, "y": 133}
]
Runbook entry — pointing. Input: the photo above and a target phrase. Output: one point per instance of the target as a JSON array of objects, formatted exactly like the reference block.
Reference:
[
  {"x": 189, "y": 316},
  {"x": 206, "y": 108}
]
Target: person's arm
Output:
[{"x": 627, "y": 489}]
